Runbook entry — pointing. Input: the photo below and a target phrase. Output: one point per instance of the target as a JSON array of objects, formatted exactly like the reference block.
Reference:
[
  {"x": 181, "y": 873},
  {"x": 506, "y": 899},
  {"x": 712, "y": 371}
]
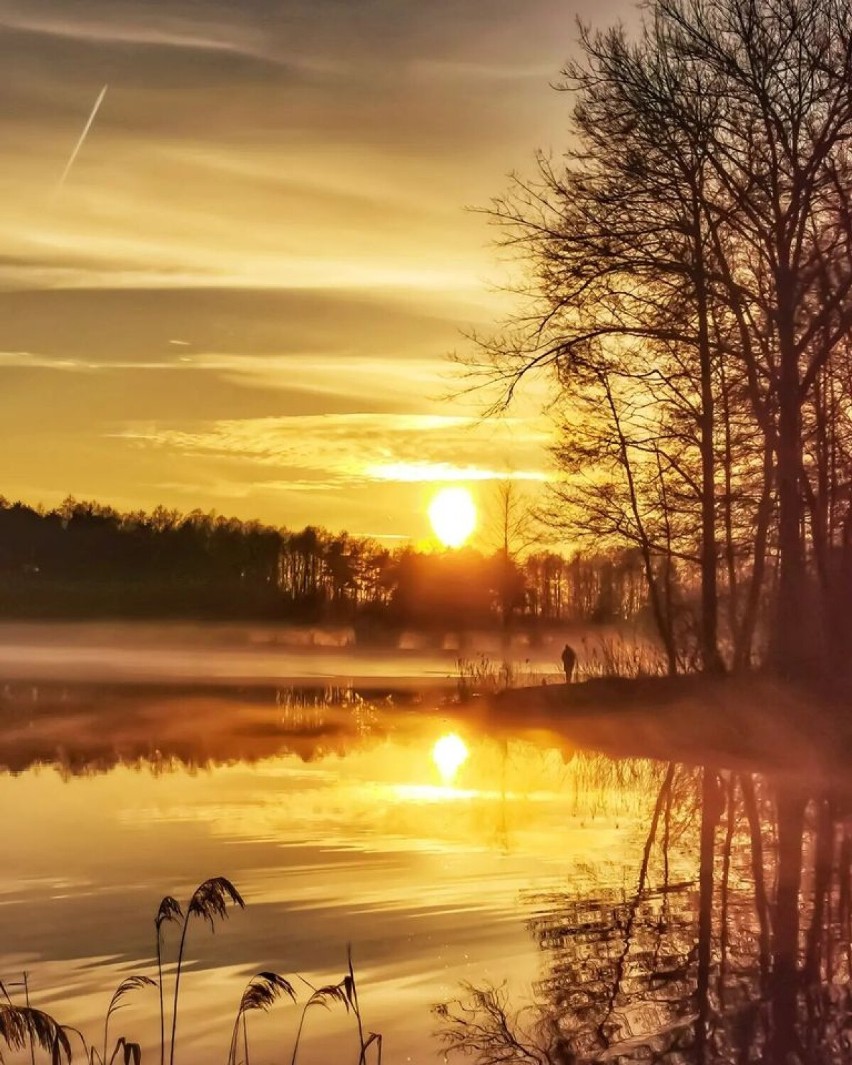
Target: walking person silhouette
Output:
[{"x": 569, "y": 661}]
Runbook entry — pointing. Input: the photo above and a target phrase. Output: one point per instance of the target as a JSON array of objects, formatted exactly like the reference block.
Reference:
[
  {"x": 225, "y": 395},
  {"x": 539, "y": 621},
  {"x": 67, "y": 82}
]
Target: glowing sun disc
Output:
[
  {"x": 453, "y": 516},
  {"x": 449, "y": 754}
]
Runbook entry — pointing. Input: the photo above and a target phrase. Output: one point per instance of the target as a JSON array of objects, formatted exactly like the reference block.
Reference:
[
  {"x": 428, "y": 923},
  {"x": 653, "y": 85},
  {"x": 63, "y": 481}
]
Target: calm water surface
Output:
[{"x": 628, "y": 903}]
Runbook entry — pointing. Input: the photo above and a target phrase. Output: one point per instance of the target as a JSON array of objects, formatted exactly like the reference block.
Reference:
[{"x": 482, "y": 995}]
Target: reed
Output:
[
  {"x": 132, "y": 983},
  {"x": 209, "y": 902},
  {"x": 23, "y": 1027},
  {"x": 260, "y": 993},
  {"x": 168, "y": 913},
  {"x": 483, "y": 675},
  {"x": 618, "y": 656},
  {"x": 320, "y": 996},
  {"x": 374, "y": 1038}
]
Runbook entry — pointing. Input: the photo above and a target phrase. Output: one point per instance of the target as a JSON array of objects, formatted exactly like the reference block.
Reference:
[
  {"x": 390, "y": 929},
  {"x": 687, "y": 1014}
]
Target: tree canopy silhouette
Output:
[{"x": 689, "y": 275}]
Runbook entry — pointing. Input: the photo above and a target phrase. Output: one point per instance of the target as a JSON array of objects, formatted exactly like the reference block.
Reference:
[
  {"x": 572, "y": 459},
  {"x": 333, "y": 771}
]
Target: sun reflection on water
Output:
[{"x": 449, "y": 754}]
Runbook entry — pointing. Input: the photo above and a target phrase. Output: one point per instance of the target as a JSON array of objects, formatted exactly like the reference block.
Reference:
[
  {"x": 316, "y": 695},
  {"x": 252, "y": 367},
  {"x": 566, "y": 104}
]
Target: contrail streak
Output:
[{"x": 82, "y": 139}]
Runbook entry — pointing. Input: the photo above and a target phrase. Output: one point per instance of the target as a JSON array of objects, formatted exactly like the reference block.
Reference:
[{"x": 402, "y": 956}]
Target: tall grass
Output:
[
  {"x": 132, "y": 983},
  {"x": 23, "y": 1027},
  {"x": 617, "y": 656},
  {"x": 260, "y": 993},
  {"x": 210, "y": 902},
  {"x": 345, "y": 994},
  {"x": 483, "y": 675},
  {"x": 168, "y": 912},
  {"x": 605, "y": 656}
]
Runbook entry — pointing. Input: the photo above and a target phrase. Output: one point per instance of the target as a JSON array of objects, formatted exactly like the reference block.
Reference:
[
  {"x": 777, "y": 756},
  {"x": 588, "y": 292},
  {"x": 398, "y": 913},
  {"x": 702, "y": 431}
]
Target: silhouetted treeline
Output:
[{"x": 87, "y": 560}]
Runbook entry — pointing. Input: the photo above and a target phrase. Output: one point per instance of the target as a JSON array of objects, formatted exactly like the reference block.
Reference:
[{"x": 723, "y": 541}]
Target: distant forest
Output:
[{"x": 87, "y": 560}]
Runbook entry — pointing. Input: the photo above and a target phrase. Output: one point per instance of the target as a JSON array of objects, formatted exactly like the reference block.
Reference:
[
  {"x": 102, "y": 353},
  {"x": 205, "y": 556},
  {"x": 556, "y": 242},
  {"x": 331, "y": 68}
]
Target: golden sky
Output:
[{"x": 245, "y": 292}]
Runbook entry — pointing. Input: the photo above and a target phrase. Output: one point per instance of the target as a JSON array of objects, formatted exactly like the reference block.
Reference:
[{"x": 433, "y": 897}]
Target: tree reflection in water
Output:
[
  {"x": 734, "y": 944},
  {"x": 88, "y": 729}
]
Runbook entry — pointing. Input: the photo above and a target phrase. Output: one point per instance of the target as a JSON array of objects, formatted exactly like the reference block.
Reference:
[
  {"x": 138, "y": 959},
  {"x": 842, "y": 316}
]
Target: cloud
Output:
[
  {"x": 359, "y": 447},
  {"x": 242, "y": 490},
  {"x": 218, "y": 37},
  {"x": 300, "y": 145},
  {"x": 114, "y": 324},
  {"x": 444, "y": 471},
  {"x": 240, "y": 352},
  {"x": 29, "y": 360},
  {"x": 369, "y": 381}
]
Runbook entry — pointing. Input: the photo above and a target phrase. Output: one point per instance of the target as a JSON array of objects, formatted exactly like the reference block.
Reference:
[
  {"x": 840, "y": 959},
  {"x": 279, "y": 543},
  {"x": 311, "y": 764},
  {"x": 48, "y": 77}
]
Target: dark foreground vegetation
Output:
[{"x": 24, "y": 1028}]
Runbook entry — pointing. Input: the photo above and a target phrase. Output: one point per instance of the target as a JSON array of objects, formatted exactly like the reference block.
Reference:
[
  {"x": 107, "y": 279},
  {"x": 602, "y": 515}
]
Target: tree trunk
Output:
[
  {"x": 711, "y": 659},
  {"x": 790, "y": 652},
  {"x": 742, "y": 653}
]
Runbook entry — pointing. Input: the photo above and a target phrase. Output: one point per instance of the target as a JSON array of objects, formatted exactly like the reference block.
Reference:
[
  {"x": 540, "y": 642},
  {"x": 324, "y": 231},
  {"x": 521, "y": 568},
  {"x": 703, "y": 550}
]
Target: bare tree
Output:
[
  {"x": 511, "y": 528},
  {"x": 690, "y": 280}
]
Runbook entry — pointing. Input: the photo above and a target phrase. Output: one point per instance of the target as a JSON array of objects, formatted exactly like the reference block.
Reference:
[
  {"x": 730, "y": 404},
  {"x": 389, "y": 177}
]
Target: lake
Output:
[{"x": 627, "y": 902}]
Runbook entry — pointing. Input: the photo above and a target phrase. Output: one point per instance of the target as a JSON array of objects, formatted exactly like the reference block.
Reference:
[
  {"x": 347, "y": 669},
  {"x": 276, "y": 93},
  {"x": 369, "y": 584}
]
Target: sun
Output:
[
  {"x": 449, "y": 754},
  {"x": 453, "y": 516}
]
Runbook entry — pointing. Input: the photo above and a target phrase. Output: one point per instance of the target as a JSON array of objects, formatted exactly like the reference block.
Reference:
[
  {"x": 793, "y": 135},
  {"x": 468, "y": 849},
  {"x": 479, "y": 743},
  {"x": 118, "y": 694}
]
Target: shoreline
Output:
[{"x": 751, "y": 721}]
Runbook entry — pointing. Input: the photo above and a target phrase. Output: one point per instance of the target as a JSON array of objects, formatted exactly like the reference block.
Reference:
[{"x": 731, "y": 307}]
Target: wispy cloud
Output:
[
  {"x": 413, "y": 472},
  {"x": 407, "y": 448},
  {"x": 30, "y": 360},
  {"x": 229, "y": 39}
]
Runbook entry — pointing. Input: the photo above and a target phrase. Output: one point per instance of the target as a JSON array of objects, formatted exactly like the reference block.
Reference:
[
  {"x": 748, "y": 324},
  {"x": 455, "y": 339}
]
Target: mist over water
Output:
[{"x": 103, "y": 651}]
